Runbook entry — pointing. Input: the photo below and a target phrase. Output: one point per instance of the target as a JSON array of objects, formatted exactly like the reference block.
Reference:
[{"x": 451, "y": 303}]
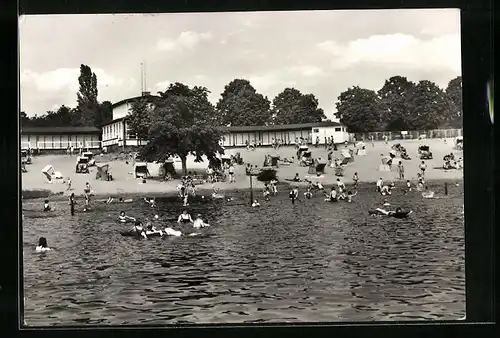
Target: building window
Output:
[
  {"x": 315, "y": 130},
  {"x": 338, "y": 129}
]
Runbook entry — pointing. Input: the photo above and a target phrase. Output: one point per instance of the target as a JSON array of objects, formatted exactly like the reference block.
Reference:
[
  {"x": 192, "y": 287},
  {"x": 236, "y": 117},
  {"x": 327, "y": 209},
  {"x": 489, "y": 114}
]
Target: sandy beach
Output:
[{"x": 124, "y": 182}]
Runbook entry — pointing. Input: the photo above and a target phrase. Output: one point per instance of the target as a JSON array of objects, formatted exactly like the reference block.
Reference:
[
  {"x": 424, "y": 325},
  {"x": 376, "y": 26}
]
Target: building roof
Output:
[
  {"x": 297, "y": 126},
  {"x": 133, "y": 99},
  {"x": 60, "y": 130}
]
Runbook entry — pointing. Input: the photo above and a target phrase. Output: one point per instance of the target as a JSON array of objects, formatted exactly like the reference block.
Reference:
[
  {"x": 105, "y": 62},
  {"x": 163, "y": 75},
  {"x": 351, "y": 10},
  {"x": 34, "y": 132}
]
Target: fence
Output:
[
  {"x": 408, "y": 135},
  {"x": 58, "y": 145}
]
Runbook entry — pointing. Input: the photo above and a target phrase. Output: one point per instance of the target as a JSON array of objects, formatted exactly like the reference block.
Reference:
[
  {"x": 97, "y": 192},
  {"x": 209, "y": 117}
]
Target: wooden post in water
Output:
[
  {"x": 446, "y": 188},
  {"x": 251, "y": 190}
]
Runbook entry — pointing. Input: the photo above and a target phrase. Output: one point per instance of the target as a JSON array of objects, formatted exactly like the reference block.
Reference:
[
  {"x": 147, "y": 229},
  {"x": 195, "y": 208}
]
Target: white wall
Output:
[
  {"x": 121, "y": 111},
  {"x": 339, "y": 134}
]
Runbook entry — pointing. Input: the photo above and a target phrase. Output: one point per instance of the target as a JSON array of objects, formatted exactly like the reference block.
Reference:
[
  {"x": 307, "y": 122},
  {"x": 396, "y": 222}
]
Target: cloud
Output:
[
  {"x": 306, "y": 70},
  {"x": 263, "y": 83},
  {"x": 397, "y": 50},
  {"x": 163, "y": 85},
  {"x": 66, "y": 79},
  {"x": 186, "y": 40}
]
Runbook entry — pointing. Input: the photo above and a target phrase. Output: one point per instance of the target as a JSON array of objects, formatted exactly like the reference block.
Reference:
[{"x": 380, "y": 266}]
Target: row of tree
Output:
[
  {"x": 89, "y": 111},
  {"x": 401, "y": 105}
]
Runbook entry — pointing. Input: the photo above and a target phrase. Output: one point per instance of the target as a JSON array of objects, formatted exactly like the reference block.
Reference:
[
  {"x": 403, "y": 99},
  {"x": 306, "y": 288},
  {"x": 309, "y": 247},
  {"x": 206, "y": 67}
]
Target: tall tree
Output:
[
  {"x": 24, "y": 120},
  {"x": 181, "y": 123},
  {"x": 291, "y": 106},
  {"x": 454, "y": 94},
  {"x": 360, "y": 110},
  {"x": 394, "y": 97},
  {"x": 88, "y": 106},
  {"x": 241, "y": 105},
  {"x": 429, "y": 106}
]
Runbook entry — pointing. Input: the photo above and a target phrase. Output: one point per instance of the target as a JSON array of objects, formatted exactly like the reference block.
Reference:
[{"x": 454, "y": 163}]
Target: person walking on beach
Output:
[
  {"x": 72, "y": 203},
  {"x": 401, "y": 170},
  {"x": 231, "y": 174},
  {"x": 69, "y": 184}
]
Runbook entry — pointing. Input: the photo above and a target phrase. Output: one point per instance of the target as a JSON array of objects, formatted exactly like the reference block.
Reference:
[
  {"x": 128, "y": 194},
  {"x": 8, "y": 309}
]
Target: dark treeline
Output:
[{"x": 399, "y": 105}]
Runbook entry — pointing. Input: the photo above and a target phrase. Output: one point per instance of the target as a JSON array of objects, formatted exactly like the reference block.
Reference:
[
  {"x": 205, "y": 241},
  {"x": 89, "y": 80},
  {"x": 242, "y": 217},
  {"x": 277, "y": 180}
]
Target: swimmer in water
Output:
[
  {"x": 139, "y": 228},
  {"x": 122, "y": 218},
  {"x": 46, "y": 206},
  {"x": 184, "y": 218},
  {"x": 150, "y": 201},
  {"x": 308, "y": 194},
  {"x": 42, "y": 245},
  {"x": 198, "y": 222},
  {"x": 255, "y": 204},
  {"x": 428, "y": 193},
  {"x": 350, "y": 195}
]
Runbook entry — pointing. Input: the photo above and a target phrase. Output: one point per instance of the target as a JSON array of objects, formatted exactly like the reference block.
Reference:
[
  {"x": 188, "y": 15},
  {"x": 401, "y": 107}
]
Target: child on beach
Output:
[
  {"x": 294, "y": 194},
  {"x": 72, "y": 203},
  {"x": 42, "y": 245},
  {"x": 350, "y": 195},
  {"x": 231, "y": 174},
  {"x": 46, "y": 206},
  {"x": 69, "y": 184},
  {"x": 380, "y": 183},
  {"x": 255, "y": 204}
]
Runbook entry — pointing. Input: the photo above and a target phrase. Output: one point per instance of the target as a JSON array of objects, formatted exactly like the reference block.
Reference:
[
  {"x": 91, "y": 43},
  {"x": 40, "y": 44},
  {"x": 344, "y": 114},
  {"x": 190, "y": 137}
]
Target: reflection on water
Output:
[{"x": 312, "y": 261}]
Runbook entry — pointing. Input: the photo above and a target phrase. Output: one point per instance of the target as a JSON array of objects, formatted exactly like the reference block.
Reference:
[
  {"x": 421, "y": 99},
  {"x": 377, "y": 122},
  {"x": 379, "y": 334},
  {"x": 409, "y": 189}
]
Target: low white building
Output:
[
  {"x": 238, "y": 136},
  {"x": 60, "y": 138}
]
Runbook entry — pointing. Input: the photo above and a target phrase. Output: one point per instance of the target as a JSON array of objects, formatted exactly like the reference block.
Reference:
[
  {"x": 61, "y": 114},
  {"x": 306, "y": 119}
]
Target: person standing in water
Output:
[
  {"x": 355, "y": 179},
  {"x": 46, "y": 206},
  {"x": 72, "y": 203},
  {"x": 401, "y": 171},
  {"x": 184, "y": 218},
  {"x": 294, "y": 194}
]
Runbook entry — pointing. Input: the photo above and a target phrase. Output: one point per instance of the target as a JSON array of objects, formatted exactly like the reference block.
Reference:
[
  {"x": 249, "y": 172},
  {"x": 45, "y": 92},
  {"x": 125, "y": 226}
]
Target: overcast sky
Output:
[{"x": 319, "y": 52}]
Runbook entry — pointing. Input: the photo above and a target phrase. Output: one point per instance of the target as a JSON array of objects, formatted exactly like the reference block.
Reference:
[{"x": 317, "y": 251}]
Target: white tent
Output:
[{"x": 51, "y": 174}]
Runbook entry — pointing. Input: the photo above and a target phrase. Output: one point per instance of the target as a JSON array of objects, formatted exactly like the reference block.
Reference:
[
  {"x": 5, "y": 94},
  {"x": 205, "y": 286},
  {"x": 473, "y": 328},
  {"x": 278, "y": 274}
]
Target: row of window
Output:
[
  {"x": 316, "y": 130},
  {"x": 115, "y": 130}
]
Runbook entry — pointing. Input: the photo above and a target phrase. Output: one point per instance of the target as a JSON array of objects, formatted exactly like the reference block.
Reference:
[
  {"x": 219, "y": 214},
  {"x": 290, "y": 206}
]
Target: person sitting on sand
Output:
[
  {"x": 408, "y": 186},
  {"x": 297, "y": 178},
  {"x": 46, "y": 206},
  {"x": 42, "y": 245},
  {"x": 255, "y": 204},
  {"x": 198, "y": 222},
  {"x": 294, "y": 194},
  {"x": 350, "y": 195},
  {"x": 386, "y": 203},
  {"x": 216, "y": 194},
  {"x": 332, "y": 196},
  {"x": 308, "y": 194},
  {"x": 341, "y": 194},
  {"x": 122, "y": 218},
  {"x": 184, "y": 218}
]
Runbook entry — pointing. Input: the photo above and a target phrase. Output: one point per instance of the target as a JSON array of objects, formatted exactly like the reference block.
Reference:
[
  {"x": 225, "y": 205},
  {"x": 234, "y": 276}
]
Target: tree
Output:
[
  {"x": 454, "y": 95},
  {"x": 394, "y": 98},
  {"x": 291, "y": 106},
  {"x": 104, "y": 113},
  {"x": 428, "y": 106},
  {"x": 24, "y": 120},
  {"x": 139, "y": 118},
  {"x": 241, "y": 105},
  {"x": 360, "y": 110},
  {"x": 181, "y": 123},
  {"x": 88, "y": 106}
]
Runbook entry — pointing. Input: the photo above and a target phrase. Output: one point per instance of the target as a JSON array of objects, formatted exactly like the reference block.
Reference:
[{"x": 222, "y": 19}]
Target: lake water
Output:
[{"x": 313, "y": 261}]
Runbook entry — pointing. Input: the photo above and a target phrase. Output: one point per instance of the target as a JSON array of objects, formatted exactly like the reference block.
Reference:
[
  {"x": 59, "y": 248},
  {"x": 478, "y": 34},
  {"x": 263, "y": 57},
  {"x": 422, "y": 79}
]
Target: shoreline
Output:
[{"x": 226, "y": 189}]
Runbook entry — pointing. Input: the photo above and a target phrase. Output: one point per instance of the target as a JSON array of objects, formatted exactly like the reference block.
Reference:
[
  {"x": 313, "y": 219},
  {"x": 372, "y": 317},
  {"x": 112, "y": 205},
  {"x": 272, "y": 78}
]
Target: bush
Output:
[
  {"x": 266, "y": 175},
  {"x": 31, "y": 194}
]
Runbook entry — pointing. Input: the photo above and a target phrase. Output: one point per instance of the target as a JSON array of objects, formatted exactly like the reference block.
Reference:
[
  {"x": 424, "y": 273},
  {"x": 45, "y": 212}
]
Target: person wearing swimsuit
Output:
[{"x": 184, "y": 218}]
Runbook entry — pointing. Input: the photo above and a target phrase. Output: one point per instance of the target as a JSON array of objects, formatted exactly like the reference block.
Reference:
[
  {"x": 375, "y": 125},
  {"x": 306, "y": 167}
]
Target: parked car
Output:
[
  {"x": 91, "y": 158},
  {"x": 82, "y": 165}
]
